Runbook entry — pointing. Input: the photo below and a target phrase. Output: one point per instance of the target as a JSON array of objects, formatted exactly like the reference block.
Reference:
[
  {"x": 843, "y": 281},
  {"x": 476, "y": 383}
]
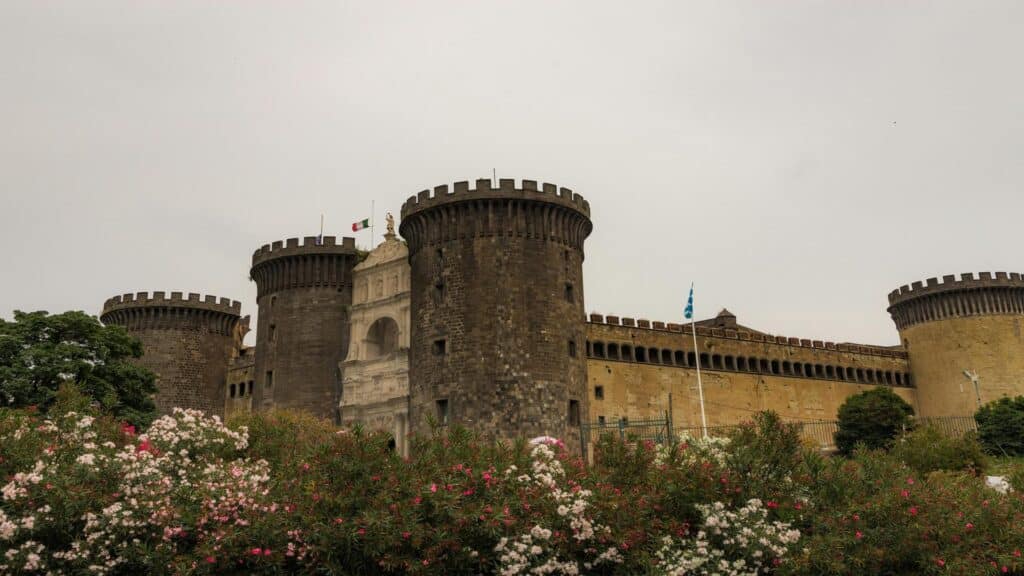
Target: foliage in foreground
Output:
[
  {"x": 872, "y": 419},
  {"x": 39, "y": 352},
  {"x": 284, "y": 493},
  {"x": 1001, "y": 426}
]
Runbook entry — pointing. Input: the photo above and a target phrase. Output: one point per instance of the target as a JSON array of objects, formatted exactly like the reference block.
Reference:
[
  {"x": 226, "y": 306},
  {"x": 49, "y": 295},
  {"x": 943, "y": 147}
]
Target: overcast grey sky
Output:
[{"x": 797, "y": 160}]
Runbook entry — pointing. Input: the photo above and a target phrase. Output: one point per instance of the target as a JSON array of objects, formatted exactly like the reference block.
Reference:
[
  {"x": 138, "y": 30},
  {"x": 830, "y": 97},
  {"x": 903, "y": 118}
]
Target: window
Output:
[
  {"x": 250, "y": 386},
  {"x": 442, "y": 412},
  {"x": 598, "y": 349},
  {"x": 232, "y": 390},
  {"x": 439, "y": 292},
  {"x": 599, "y": 392},
  {"x": 600, "y": 420},
  {"x": 273, "y": 300},
  {"x": 613, "y": 351},
  {"x": 641, "y": 354},
  {"x": 273, "y": 333},
  {"x": 569, "y": 297},
  {"x": 730, "y": 363},
  {"x": 440, "y": 347},
  {"x": 680, "y": 358},
  {"x": 269, "y": 381},
  {"x": 572, "y": 348},
  {"x": 574, "y": 412}
]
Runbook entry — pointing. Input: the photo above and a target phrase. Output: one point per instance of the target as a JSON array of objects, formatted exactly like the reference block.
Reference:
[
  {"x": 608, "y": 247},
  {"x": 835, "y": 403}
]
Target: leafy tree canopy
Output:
[
  {"x": 873, "y": 418},
  {"x": 1001, "y": 426},
  {"x": 40, "y": 351}
]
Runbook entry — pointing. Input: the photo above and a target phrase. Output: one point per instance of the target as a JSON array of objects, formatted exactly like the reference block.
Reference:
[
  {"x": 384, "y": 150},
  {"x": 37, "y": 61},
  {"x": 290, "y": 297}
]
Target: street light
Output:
[{"x": 973, "y": 377}]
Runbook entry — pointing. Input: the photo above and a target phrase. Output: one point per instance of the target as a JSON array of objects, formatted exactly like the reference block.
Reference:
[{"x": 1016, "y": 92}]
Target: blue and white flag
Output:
[{"x": 688, "y": 313}]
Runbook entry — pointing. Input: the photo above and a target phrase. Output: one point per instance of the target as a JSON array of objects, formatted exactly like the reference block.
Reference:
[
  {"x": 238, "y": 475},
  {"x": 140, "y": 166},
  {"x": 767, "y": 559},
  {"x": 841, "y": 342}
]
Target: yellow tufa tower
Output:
[{"x": 963, "y": 338}]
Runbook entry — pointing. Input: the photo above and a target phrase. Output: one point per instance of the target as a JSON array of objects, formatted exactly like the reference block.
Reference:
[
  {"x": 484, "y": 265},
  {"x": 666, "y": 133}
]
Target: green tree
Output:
[
  {"x": 873, "y": 418},
  {"x": 1001, "y": 426},
  {"x": 40, "y": 351}
]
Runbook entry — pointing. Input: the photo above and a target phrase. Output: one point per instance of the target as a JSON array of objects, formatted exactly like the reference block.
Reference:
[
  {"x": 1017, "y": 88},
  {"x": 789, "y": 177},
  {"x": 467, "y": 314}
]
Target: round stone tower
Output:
[
  {"x": 497, "y": 322},
  {"x": 304, "y": 293},
  {"x": 187, "y": 342},
  {"x": 963, "y": 338}
]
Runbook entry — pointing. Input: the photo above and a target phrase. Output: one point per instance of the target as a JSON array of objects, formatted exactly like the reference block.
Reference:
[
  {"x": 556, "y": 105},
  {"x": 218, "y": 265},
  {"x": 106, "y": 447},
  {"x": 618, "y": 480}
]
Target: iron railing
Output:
[{"x": 821, "y": 433}]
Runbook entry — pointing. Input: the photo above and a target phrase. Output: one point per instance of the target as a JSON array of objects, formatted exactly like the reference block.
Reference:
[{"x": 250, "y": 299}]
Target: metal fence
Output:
[{"x": 821, "y": 433}]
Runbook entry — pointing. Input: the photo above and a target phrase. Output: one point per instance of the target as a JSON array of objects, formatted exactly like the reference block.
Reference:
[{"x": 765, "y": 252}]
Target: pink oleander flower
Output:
[
  {"x": 858, "y": 535},
  {"x": 433, "y": 487},
  {"x": 256, "y": 551}
]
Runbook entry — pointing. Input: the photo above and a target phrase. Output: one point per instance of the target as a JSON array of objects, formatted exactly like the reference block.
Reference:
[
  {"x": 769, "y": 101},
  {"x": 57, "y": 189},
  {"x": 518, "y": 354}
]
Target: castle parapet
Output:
[
  {"x": 931, "y": 300},
  {"x": 192, "y": 301},
  {"x": 731, "y": 334},
  {"x": 546, "y": 212},
  {"x": 483, "y": 188},
  {"x": 309, "y": 245}
]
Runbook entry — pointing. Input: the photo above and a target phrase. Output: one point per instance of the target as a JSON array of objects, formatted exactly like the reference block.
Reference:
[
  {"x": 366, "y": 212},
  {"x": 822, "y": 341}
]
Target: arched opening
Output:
[{"x": 381, "y": 338}]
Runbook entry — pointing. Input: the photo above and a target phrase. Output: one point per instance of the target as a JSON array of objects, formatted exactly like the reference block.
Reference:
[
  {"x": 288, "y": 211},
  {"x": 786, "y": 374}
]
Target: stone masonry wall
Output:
[
  {"x": 799, "y": 379},
  {"x": 187, "y": 342},
  {"x": 497, "y": 307},
  {"x": 304, "y": 293}
]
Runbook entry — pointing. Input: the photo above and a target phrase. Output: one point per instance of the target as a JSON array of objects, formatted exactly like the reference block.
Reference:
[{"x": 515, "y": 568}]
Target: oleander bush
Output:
[
  {"x": 1001, "y": 426},
  {"x": 928, "y": 449},
  {"x": 282, "y": 493}
]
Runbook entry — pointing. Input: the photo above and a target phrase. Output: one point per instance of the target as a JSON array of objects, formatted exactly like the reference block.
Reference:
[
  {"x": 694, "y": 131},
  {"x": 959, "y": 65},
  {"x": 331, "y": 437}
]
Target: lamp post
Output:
[{"x": 973, "y": 377}]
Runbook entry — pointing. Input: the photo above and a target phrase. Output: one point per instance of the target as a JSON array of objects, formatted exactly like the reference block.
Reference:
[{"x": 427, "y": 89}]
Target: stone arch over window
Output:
[
  {"x": 613, "y": 351},
  {"x": 381, "y": 338}
]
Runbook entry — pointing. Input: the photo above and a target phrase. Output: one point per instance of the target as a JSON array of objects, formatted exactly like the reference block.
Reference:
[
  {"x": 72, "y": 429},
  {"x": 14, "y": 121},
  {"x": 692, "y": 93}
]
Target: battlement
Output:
[
  {"x": 988, "y": 294},
  {"x": 950, "y": 283},
  {"x": 308, "y": 245},
  {"x": 527, "y": 190},
  {"x": 175, "y": 300},
  {"x": 730, "y": 334}
]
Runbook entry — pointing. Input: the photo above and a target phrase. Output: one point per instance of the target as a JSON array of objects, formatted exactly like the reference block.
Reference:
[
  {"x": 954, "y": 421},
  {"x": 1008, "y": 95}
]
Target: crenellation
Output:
[{"x": 952, "y": 298}]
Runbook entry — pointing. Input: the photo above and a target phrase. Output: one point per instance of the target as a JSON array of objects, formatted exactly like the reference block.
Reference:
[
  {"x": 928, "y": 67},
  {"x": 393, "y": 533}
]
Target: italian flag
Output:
[{"x": 357, "y": 226}]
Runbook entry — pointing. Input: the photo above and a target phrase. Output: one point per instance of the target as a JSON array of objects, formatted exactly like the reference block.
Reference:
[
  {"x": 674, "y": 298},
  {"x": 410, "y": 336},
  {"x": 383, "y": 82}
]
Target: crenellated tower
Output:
[
  {"x": 963, "y": 338},
  {"x": 497, "y": 319},
  {"x": 304, "y": 293},
  {"x": 187, "y": 341}
]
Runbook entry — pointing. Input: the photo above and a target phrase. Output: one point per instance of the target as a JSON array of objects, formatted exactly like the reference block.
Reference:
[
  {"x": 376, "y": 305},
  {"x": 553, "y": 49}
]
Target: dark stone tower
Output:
[
  {"x": 304, "y": 294},
  {"x": 497, "y": 329},
  {"x": 188, "y": 343}
]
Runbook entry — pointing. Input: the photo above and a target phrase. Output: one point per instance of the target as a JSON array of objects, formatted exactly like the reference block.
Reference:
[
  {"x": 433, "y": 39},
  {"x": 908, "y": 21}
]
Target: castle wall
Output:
[
  {"x": 241, "y": 384},
  {"x": 742, "y": 373},
  {"x": 187, "y": 342},
  {"x": 304, "y": 293},
  {"x": 970, "y": 325},
  {"x": 497, "y": 308}
]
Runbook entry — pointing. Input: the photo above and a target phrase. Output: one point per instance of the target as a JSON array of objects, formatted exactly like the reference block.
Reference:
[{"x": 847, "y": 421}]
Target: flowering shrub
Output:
[
  {"x": 729, "y": 542},
  {"x": 282, "y": 493}
]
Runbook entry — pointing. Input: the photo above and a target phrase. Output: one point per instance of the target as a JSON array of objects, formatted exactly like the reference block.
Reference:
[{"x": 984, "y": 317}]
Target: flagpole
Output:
[
  {"x": 321, "y": 225},
  {"x": 372, "y": 219},
  {"x": 700, "y": 385}
]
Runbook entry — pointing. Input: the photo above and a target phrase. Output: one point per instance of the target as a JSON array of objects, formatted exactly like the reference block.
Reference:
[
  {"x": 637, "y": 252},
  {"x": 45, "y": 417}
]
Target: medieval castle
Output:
[{"x": 477, "y": 318}]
